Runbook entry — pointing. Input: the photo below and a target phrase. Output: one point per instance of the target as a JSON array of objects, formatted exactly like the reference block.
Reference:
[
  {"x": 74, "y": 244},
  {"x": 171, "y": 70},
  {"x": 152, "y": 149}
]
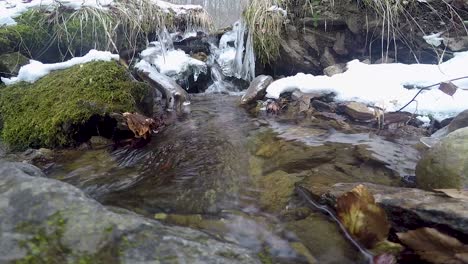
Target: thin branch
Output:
[{"x": 428, "y": 88}]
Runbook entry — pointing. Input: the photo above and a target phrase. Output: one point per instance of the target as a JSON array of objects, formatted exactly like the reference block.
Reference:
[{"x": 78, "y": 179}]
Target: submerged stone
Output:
[{"x": 445, "y": 166}]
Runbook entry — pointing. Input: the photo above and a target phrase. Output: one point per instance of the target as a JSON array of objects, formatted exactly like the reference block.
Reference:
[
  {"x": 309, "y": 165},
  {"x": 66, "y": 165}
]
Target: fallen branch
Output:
[{"x": 428, "y": 88}]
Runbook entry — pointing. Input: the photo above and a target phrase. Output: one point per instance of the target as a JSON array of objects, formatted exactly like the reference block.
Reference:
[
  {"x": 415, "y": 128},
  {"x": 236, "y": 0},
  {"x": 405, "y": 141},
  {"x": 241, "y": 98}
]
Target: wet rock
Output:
[
  {"x": 257, "y": 89},
  {"x": 410, "y": 208},
  {"x": 77, "y": 228},
  {"x": 322, "y": 106},
  {"x": 201, "y": 56},
  {"x": 42, "y": 157},
  {"x": 445, "y": 166},
  {"x": 18, "y": 169},
  {"x": 278, "y": 188},
  {"x": 460, "y": 121},
  {"x": 358, "y": 111},
  {"x": 457, "y": 43},
  {"x": 100, "y": 142},
  {"x": 10, "y": 63},
  {"x": 334, "y": 69}
]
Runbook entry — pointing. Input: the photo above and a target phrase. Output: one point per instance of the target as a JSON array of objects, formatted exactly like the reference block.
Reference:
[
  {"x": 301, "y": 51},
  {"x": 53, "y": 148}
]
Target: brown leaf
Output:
[
  {"x": 435, "y": 247},
  {"x": 362, "y": 217},
  {"x": 139, "y": 124},
  {"x": 448, "y": 88}
]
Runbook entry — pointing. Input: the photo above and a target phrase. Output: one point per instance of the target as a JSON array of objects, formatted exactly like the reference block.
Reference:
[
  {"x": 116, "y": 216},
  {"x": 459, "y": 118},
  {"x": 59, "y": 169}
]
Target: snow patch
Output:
[
  {"x": 383, "y": 85},
  {"x": 36, "y": 69}
]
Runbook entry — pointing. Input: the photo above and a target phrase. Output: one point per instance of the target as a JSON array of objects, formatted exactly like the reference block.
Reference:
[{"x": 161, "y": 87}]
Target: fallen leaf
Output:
[
  {"x": 435, "y": 247},
  {"x": 362, "y": 217},
  {"x": 139, "y": 124},
  {"x": 448, "y": 88},
  {"x": 454, "y": 193},
  {"x": 385, "y": 259}
]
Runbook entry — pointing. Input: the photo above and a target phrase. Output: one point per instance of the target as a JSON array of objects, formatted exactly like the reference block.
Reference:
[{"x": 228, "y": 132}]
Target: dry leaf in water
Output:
[
  {"x": 448, "y": 88},
  {"x": 139, "y": 124},
  {"x": 363, "y": 218},
  {"x": 435, "y": 247}
]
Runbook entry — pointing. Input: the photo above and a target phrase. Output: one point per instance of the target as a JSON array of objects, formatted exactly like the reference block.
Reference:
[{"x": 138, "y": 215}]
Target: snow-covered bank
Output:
[
  {"x": 383, "y": 85},
  {"x": 36, "y": 69},
  {"x": 10, "y": 9}
]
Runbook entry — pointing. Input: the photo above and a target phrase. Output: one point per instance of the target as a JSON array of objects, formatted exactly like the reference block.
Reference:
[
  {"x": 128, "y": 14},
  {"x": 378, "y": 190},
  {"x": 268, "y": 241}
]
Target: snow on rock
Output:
[
  {"x": 174, "y": 63},
  {"x": 383, "y": 85},
  {"x": 36, "y": 70}
]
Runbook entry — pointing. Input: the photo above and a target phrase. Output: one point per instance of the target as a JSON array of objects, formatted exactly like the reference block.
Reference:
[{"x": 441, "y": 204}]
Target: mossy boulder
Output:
[
  {"x": 445, "y": 166},
  {"x": 69, "y": 106},
  {"x": 10, "y": 63},
  {"x": 30, "y": 36}
]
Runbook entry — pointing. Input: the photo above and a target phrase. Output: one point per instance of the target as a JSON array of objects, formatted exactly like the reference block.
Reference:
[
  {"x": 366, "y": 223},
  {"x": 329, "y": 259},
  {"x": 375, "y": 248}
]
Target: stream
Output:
[{"x": 232, "y": 175}]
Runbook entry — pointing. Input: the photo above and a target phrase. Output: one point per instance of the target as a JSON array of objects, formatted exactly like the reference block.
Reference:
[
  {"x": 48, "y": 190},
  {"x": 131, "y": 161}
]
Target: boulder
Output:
[
  {"x": 445, "y": 166},
  {"x": 409, "y": 208},
  {"x": 67, "y": 107},
  {"x": 257, "y": 89},
  {"x": 460, "y": 121},
  {"x": 48, "y": 221}
]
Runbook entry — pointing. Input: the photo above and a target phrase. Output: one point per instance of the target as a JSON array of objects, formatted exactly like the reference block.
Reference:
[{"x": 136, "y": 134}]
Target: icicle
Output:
[{"x": 244, "y": 62}]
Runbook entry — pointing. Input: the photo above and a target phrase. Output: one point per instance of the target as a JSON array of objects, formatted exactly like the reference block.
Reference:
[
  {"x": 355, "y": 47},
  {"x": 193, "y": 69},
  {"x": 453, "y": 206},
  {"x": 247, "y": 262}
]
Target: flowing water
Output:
[{"x": 231, "y": 175}]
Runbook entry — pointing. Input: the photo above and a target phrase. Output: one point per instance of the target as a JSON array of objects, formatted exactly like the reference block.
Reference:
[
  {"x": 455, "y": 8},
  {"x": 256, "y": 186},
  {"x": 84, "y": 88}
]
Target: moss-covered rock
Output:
[
  {"x": 10, "y": 63},
  {"x": 30, "y": 36},
  {"x": 61, "y": 108},
  {"x": 445, "y": 166}
]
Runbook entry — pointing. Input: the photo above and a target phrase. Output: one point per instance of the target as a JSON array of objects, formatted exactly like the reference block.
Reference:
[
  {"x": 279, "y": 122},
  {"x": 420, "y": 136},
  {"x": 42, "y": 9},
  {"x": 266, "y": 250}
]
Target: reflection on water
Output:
[{"x": 224, "y": 12}]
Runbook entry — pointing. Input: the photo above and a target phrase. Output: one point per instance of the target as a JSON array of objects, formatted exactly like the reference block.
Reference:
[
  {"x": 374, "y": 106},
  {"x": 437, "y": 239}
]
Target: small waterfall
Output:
[{"x": 219, "y": 84}]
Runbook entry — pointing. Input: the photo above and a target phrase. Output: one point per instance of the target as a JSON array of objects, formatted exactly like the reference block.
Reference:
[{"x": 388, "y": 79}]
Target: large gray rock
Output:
[
  {"x": 257, "y": 89},
  {"x": 445, "y": 166},
  {"x": 411, "y": 208},
  {"x": 460, "y": 121},
  {"x": 48, "y": 221}
]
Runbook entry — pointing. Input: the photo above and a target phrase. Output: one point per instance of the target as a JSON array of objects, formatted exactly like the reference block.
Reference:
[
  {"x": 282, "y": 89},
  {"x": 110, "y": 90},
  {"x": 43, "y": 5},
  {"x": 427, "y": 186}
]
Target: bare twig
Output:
[{"x": 428, "y": 88}]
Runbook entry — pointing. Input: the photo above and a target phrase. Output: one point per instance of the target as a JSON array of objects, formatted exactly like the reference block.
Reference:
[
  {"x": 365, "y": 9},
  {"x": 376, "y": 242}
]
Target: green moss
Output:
[
  {"x": 45, "y": 245},
  {"x": 29, "y": 36},
  {"x": 51, "y": 112}
]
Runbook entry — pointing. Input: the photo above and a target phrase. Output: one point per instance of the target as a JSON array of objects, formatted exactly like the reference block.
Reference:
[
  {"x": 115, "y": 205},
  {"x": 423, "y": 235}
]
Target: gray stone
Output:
[
  {"x": 257, "y": 89},
  {"x": 411, "y": 208},
  {"x": 35, "y": 209},
  {"x": 334, "y": 69},
  {"x": 460, "y": 121},
  {"x": 445, "y": 166},
  {"x": 457, "y": 43},
  {"x": 358, "y": 111}
]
